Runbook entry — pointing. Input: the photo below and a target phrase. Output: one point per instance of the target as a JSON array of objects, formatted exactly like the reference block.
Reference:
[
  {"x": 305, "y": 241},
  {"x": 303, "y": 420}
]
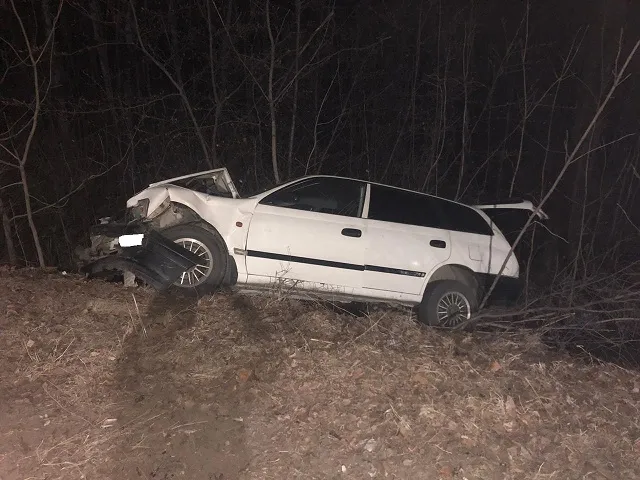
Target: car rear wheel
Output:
[
  {"x": 207, "y": 276},
  {"x": 447, "y": 303}
]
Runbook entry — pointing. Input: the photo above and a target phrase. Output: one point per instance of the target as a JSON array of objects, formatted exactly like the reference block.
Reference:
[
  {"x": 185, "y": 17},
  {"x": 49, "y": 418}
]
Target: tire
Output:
[
  {"x": 436, "y": 297},
  {"x": 204, "y": 241}
]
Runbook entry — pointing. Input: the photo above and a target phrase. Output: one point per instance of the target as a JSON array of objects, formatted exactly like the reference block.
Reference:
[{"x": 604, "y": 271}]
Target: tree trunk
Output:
[
  {"x": 525, "y": 103},
  {"x": 176, "y": 82},
  {"x": 272, "y": 107},
  {"x": 603, "y": 38},
  {"x": 34, "y": 125},
  {"x": 29, "y": 211},
  {"x": 294, "y": 109},
  {"x": 8, "y": 235}
]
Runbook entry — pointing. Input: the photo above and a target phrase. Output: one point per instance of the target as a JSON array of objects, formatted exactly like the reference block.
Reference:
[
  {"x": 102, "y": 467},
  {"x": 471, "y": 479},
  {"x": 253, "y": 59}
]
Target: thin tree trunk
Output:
[
  {"x": 466, "y": 60},
  {"x": 214, "y": 87},
  {"x": 175, "y": 81},
  {"x": 8, "y": 235},
  {"x": 414, "y": 87},
  {"x": 525, "y": 103},
  {"x": 29, "y": 212},
  {"x": 272, "y": 107},
  {"x": 34, "y": 125},
  {"x": 294, "y": 111}
]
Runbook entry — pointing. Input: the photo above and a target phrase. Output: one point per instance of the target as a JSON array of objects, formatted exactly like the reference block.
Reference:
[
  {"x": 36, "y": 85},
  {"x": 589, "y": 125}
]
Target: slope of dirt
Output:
[{"x": 103, "y": 382}]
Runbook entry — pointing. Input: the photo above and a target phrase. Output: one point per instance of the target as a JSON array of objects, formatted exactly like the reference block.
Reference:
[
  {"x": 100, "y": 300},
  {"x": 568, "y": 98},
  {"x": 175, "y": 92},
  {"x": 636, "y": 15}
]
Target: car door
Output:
[
  {"x": 403, "y": 245},
  {"x": 311, "y": 232}
]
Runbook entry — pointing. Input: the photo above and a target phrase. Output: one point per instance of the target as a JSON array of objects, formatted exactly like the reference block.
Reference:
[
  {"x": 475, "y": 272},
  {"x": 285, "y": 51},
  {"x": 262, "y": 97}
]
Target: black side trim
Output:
[
  {"x": 395, "y": 271},
  {"x": 310, "y": 261},
  {"x": 330, "y": 263}
]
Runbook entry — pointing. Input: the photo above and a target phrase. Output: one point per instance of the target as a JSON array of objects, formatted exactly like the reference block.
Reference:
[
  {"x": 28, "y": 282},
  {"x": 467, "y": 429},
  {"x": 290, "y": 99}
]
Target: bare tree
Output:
[
  {"x": 571, "y": 158},
  {"x": 525, "y": 100},
  {"x": 175, "y": 81},
  {"x": 21, "y": 158},
  {"x": 270, "y": 99},
  {"x": 294, "y": 108}
]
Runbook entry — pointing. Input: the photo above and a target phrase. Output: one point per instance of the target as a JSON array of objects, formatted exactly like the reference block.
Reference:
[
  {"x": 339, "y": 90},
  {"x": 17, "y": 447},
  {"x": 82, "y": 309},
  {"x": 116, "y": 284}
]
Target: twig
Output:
[
  {"x": 367, "y": 330},
  {"x": 44, "y": 387},
  {"x": 627, "y": 216}
]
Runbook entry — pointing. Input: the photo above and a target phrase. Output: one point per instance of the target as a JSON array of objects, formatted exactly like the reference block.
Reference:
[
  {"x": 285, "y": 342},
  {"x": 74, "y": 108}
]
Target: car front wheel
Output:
[
  {"x": 447, "y": 303},
  {"x": 208, "y": 275}
]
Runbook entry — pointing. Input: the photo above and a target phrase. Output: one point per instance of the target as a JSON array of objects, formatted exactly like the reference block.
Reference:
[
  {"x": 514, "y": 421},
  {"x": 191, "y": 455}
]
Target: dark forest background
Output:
[{"x": 468, "y": 100}]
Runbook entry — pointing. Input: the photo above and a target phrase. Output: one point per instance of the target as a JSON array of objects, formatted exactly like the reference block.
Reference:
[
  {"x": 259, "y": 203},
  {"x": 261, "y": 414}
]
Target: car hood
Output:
[{"x": 207, "y": 186}]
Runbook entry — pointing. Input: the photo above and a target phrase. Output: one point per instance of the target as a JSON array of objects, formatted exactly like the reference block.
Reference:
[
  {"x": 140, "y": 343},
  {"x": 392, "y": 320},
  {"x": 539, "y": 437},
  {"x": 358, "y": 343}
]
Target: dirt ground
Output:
[{"x": 99, "y": 381}]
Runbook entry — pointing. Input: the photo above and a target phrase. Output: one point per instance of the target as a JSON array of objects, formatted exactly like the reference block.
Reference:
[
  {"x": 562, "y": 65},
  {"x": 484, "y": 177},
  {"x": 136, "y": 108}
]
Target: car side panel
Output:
[
  {"x": 303, "y": 246},
  {"x": 484, "y": 253},
  {"x": 400, "y": 257}
]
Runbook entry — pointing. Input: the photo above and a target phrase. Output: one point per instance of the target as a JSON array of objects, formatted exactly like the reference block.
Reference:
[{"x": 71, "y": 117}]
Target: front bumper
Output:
[{"x": 151, "y": 257}]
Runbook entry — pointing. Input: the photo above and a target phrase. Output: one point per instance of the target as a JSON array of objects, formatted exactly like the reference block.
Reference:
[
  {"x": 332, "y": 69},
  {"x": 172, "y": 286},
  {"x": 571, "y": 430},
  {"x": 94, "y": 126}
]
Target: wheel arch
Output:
[
  {"x": 453, "y": 271},
  {"x": 177, "y": 213}
]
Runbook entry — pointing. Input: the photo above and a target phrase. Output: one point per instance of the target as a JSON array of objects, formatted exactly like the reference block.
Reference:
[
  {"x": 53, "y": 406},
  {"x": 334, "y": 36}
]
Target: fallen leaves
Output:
[
  {"x": 510, "y": 407},
  {"x": 446, "y": 472},
  {"x": 371, "y": 445},
  {"x": 383, "y": 410},
  {"x": 420, "y": 378},
  {"x": 244, "y": 375}
]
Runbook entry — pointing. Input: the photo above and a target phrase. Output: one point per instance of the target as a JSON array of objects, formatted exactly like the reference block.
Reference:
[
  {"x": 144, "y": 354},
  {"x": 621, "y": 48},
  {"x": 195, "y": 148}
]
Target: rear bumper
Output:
[
  {"x": 506, "y": 292},
  {"x": 157, "y": 260}
]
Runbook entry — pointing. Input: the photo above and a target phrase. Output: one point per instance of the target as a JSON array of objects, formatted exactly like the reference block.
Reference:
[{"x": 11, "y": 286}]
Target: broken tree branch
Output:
[{"x": 569, "y": 160}]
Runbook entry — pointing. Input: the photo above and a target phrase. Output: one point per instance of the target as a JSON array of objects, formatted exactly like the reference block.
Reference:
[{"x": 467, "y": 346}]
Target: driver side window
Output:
[{"x": 335, "y": 196}]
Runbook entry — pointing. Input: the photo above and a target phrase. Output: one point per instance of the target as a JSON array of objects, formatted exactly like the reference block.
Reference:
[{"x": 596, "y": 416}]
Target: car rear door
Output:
[
  {"x": 310, "y": 231},
  {"x": 404, "y": 244}
]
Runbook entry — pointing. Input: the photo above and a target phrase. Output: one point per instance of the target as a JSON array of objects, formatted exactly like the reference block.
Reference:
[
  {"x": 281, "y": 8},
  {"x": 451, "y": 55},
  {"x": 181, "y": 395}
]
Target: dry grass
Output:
[{"x": 99, "y": 382}]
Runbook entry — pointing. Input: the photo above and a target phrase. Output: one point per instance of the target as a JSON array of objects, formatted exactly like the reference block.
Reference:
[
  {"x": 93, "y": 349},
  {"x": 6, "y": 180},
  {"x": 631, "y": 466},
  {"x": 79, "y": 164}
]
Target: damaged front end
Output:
[{"x": 137, "y": 249}]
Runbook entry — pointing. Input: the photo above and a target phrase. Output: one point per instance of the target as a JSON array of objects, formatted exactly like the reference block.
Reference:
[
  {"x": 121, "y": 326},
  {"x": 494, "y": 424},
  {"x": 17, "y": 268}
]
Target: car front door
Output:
[
  {"x": 310, "y": 232},
  {"x": 402, "y": 246}
]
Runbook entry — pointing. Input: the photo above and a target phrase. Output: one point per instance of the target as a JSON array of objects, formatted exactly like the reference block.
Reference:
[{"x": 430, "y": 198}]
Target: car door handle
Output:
[
  {"x": 352, "y": 232},
  {"x": 438, "y": 243}
]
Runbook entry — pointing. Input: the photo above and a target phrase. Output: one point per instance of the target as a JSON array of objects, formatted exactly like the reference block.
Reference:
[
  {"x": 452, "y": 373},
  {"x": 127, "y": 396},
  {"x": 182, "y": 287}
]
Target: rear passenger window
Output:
[
  {"x": 400, "y": 206},
  {"x": 460, "y": 218}
]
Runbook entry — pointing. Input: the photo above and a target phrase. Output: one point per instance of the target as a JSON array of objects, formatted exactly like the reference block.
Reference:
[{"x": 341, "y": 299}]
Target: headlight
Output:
[{"x": 139, "y": 210}]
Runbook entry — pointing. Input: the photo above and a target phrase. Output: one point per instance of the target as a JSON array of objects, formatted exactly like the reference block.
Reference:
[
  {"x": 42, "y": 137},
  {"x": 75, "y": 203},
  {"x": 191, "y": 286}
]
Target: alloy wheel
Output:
[
  {"x": 198, "y": 274},
  {"x": 452, "y": 309}
]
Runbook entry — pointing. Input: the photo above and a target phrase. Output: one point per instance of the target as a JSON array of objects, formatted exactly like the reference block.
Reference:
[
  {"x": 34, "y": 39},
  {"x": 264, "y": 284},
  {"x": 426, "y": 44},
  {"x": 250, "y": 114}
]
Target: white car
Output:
[{"x": 341, "y": 238}]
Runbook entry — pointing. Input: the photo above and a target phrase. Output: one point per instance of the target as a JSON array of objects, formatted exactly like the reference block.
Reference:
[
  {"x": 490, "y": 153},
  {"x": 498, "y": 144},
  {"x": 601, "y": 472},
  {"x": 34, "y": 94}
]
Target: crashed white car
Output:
[{"x": 338, "y": 237}]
